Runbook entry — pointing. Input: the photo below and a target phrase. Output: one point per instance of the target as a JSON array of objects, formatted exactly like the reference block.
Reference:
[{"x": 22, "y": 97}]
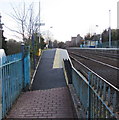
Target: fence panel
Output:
[
  {"x": 81, "y": 88},
  {"x": 0, "y": 88},
  {"x": 11, "y": 80},
  {"x": 99, "y": 99},
  {"x": 104, "y": 98},
  {"x": 114, "y": 44},
  {"x": 95, "y": 96},
  {"x": 14, "y": 76}
]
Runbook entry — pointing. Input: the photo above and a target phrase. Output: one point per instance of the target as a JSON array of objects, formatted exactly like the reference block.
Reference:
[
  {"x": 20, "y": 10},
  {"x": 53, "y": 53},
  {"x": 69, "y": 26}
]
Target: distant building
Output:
[
  {"x": 68, "y": 43},
  {"x": 118, "y": 15},
  {"x": 93, "y": 42},
  {"x": 73, "y": 41},
  {"x": 76, "y": 41}
]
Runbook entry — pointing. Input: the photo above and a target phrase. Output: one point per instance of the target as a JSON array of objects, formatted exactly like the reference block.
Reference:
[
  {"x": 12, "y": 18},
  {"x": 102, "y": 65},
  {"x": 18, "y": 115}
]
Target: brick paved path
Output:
[{"x": 50, "y": 103}]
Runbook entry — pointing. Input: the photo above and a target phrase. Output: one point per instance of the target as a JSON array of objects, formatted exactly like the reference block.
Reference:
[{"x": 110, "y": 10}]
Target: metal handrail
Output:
[{"x": 102, "y": 92}]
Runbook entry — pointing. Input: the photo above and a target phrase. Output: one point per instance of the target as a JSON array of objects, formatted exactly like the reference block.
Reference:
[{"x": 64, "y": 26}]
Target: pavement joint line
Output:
[{"x": 35, "y": 72}]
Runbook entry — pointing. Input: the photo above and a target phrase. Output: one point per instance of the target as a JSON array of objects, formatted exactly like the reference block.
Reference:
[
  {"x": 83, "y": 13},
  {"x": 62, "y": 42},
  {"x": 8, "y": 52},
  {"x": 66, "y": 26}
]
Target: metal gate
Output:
[{"x": 14, "y": 77}]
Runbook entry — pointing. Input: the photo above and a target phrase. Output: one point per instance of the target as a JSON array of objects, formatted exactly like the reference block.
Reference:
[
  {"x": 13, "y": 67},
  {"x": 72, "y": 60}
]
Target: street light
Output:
[
  {"x": 100, "y": 39},
  {"x": 40, "y": 24},
  {"x": 110, "y": 28},
  {"x": 48, "y": 37},
  {"x": 96, "y": 38}
]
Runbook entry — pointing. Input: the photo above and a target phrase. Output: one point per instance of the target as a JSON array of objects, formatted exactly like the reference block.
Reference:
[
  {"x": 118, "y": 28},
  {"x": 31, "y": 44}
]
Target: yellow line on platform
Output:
[{"x": 57, "y": 61}]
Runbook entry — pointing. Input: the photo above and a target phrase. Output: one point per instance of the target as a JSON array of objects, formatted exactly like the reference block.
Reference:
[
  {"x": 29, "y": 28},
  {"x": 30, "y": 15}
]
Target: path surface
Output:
[
  {"x": 51, "y": 103},
  {"x": 50, "y": 97},
  {"x": 48, "y": 77}
]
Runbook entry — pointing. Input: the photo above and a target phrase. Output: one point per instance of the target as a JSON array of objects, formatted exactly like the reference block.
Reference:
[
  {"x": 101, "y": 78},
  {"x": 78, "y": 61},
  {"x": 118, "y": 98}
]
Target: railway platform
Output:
[
  {"x": 50, "y": 96},
  {"x": 63, "y": 86}
]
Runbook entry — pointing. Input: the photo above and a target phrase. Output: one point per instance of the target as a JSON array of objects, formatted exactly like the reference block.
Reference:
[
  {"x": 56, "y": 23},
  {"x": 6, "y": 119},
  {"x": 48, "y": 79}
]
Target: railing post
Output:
[
  {"x": 0, "y": 88},
  {"x": 69, "y": 71},
  {"x": 28, "y": 67},
  {"x": 114, "y": 101},
  {"x": 89, "y": 97},
  {"x": 22, "y": 50}
]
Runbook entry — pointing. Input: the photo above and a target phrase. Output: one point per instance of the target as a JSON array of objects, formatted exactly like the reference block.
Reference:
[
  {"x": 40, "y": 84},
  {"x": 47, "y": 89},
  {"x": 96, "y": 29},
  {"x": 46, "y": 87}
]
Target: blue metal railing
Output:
[
  {"x": 114, "y": 44},
  {"x": 99, "y": 99},
  {"x": 13, "y": 79},
  {"x": 26, "y": 70}
]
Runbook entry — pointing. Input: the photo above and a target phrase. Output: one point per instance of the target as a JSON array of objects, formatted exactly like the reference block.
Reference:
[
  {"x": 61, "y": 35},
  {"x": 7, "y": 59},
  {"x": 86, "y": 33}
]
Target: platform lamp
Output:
[
  {"x": 100, "y": 39},
  {"x": 96, "y": 37},
  {"x": 110, "y": 29}
]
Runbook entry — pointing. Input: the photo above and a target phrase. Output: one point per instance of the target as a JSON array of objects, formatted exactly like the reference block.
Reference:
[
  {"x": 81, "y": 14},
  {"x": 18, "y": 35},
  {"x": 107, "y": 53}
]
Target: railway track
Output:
[
  {"x": 109, "y": 55},
  {"x": 86, "y": 63},
  {"x": 111, "y": 59}
]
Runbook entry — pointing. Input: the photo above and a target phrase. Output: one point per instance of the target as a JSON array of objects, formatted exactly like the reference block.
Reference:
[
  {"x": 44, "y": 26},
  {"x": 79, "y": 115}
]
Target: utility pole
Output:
[
  {"x": 1, "y": 32},
  {"x": 39, "y": 23},
  {"x": 110, "y": 29}
]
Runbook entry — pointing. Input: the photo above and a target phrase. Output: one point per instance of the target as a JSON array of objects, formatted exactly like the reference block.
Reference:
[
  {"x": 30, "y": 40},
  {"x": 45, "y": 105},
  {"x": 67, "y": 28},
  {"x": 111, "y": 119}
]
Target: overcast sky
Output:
[{"x": 67, "y": 17}]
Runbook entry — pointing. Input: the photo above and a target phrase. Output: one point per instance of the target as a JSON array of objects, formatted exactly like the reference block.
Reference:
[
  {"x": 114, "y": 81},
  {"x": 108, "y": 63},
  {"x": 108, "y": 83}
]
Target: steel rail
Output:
[
  {"x": 95, "y": 73},
  {"x": 113, "y": 67},
  {"x": 104, "y": 54}
]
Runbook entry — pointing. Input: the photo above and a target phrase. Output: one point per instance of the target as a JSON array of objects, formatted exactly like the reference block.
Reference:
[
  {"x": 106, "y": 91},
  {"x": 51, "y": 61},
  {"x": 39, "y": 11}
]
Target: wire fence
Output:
[{"x": 114, "y": 44}]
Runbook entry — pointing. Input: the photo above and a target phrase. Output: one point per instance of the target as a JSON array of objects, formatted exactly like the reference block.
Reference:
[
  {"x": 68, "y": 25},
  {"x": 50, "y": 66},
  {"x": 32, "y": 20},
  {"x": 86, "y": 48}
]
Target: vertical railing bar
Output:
[
  {"x": 104, "y": 113},
  {"x": 97, "y": 87},
  {"x": 114, "y": 101},
  {"x": 5, "y": 88},
  {"x": 100, "y": 87},
  {"x": 109, "y": 95},
  {"x": 96, "y": 106},
  {"x": 104, "y": 92},
  {"x": 93, "y": 103},
  {"x": 89, "y": 97}
]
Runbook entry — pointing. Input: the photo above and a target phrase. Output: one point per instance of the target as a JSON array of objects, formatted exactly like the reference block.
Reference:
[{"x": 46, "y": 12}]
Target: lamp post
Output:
[
  {"x": 96, "y": 37},
  {"x": 100, "y": 39},
  {"x": 39, "y": 24},
  {"x": 110, "y": 29},
  {"x": 50, "y": 44}
]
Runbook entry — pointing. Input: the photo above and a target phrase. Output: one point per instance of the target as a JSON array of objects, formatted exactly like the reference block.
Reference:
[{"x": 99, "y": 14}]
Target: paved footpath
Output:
[
  {"x": 50, "y": 97},
  {"x": 50, "y": 73}
]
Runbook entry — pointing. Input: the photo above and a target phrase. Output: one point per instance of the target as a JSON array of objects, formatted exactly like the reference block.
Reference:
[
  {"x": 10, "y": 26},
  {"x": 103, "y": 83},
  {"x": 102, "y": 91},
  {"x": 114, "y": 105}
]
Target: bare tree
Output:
[{"x": 25, "y": 19}]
